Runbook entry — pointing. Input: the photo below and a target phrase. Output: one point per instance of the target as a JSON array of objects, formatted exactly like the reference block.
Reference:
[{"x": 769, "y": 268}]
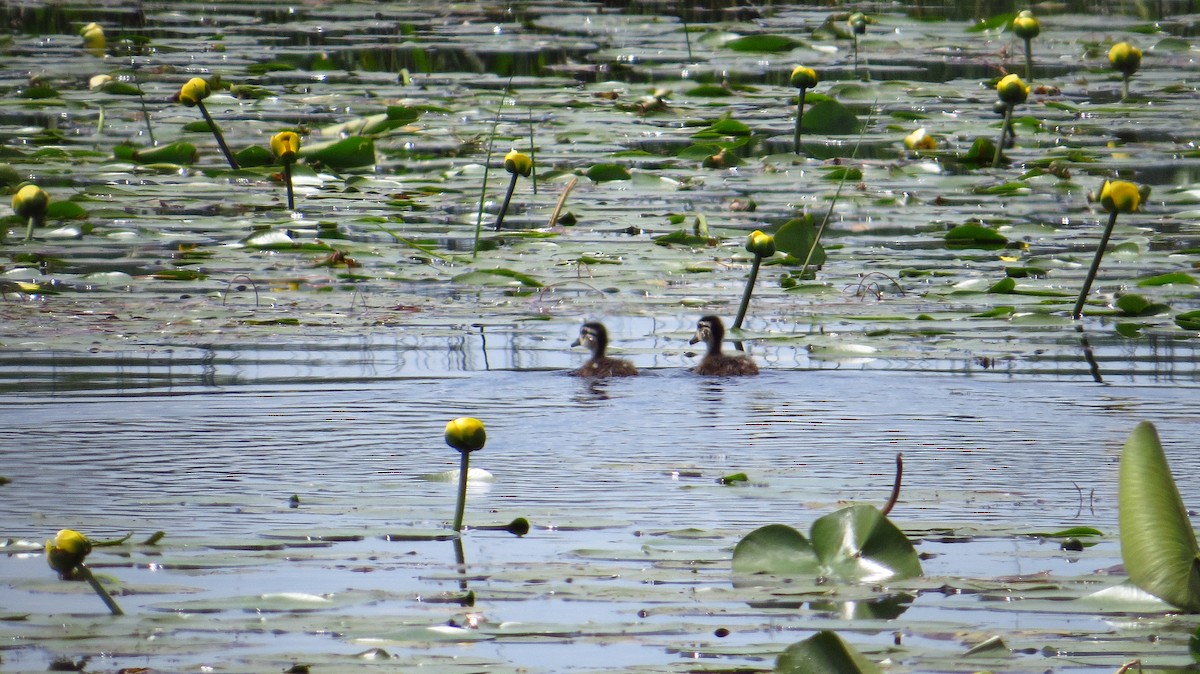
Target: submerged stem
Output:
[
  {"x": 1091, "y": 275},
  {"x": 799, "y": 118},
  {"x": 1008, "y": 112},
  {"x": 462, "y": 491},
  {"x": 741, "y": 314},
  {"x": 99, "y": 589},
  {"x": 216, "y": 131}
]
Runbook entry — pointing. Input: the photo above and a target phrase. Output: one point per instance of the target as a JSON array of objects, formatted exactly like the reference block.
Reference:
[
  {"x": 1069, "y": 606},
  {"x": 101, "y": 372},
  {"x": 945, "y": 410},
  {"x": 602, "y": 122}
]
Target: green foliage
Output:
[
  {"x": 175, "y": 153},
  {"x": 763, "y": 43},
  {"x": 484, "y": 277},
  {"x": 1172, "y": 278},
  {"x": 255, "y": 155},
  {"x": 1189, "y": 320},
  {"x": 971, "y": 235},
  {"x": 1133, "y": 304},
  {"x": 857, "y": 544},
  {"x": 822, "y": 653},
  {"x": 725, "y": 126},
  {"x": 830, "y": 118},
  {"x": 1158, "y": 545},
  {"x": 797, "y": 237},
  {"x": 599, "y": 173},
  {"x": 350, "y": 152}
]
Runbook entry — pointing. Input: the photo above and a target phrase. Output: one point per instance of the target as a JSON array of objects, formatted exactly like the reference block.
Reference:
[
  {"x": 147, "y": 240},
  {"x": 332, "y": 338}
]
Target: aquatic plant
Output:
[
  {"x": 466, "y": 435},
  {"x": 518, "y": 164},
  {"x": 285, "y": 145},
  {"x": 761, "y": 245},
  {"x": 30, "y": 203},
  {"x": 1026, "y": 27},
  {"x": 858, "y": 26},
  {"x": 192, "y": 95},
  {"x": 1125, "y": 59},
  {"x": 919, "y": 141},
  {"x": 1117, "y": 196},
  {"x": 66, "y": 553},
  {"x": 803, "y": 78},
  {"x": 823, "y": 652},
  {"x": 93, "y": 39},
  {"x": 1158, "y": 544},
  {"x": 1012, "y": 91}
]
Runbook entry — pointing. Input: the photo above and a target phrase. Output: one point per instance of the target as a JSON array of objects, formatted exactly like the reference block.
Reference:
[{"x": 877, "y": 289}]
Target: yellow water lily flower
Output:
[
  {"x": 285, "y": 145},
  {"x": 466, "y": 434},
  {"x": 194, "y": 91},
  {"x": 1125, "y": 58},
  {"x": 760, "y": 243},
  {"x": 920, "y": 140},
  {"x": 1120, "y": 196},
  {"x": 857, "y": 23},
  {"x": 67, "y": 551},
  {"x": 1012, "y": 89},
  {"x": 804, "y": 77},
  {"x": 518, "y": 163},
  {"x": 93, "y": 38},
  {"x": 31, "y": 202},
  {"x": 1026, "y": 26}
]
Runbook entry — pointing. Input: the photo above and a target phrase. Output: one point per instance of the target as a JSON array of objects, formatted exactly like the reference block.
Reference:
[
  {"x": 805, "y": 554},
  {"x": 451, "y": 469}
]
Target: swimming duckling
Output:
[
  {"x": 595, "y": 338},
  {"x": 711, "y": 331}
]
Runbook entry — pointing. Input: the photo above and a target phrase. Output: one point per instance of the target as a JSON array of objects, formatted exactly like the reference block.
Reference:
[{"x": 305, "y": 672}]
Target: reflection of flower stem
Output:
[
  {"x": 512, "y": 185},
  {"x": 216, "y": 131},
  {"x": 462, "y": 490},
  {"x": 741, "y": 314},
  {"x": 1091, "y": 275},
  {"x": 1008, "y": 112},
  {"x": 86, "y": 573},
  {"x": 891, "y": 502},
  {"x": 287, "y": 177},
  {"x": 799, "y": 117}
]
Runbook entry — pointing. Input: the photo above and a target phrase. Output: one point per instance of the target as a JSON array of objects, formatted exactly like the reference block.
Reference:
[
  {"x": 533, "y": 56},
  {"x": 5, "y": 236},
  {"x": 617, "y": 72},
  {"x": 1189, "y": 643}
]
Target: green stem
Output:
[
  {"x": 741, "y": 314},
  {"x": 1029, "y": 60},
  {"x": 799, "y": 119},
  {"x": 34, "y": 221},
  {"x": 462, "y": 491},
  {"x": 145, "y": 112},
  {"x": 1124, "y": 87},
  {"x": 287, "y": 178},
  {"x": 103, "y": 594},
  {"x": 1008, "y": 111},
  {"x": 1091, "y": 275},
  {"x": 532, "y": 154},
  {"x": 216, "y": 131},
  {"x": 512, "y": 185},
  {"x": 855, "y": 54}
]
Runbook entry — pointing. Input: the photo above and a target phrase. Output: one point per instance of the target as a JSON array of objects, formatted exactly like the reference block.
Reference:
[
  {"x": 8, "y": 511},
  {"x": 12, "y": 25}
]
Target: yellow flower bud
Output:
[
  {"x": 804, "y": 78},
  {"x": 285, "y": 145},
  {"x": 67, "y": 551},
  {"x": 1125, "y": 58},
  {"x": 194, "y": 91},
  {"x": 1026, "y": 26},
  {"x": 93, "y": 38},
  {"x": 1012, "y": 89},
  {"x": 760, "y": 243},
  {"x": 1120, "y": 196},
  {"x": 919, "y": 140},
  {"x": 30, "y": 201},
  {"x": 466, "y": 434},
  {"x": 519, "y": 163},
  {"x": 99, "y": 82},
  {"x": 857, "y": 23}
]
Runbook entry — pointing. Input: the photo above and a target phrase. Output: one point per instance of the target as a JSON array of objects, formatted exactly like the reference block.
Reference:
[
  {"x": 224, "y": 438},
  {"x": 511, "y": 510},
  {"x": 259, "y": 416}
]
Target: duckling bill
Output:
[
  {"x": 595, "y": 338},
  {"x": 711, "y": 331}
]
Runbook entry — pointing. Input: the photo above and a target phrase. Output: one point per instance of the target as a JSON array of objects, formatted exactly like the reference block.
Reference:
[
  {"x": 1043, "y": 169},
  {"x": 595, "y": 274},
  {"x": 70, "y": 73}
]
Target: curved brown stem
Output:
[{"x": 887, "y": 507}]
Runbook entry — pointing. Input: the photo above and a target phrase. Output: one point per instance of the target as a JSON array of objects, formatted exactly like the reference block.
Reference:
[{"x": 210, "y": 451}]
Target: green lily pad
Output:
[
  {"x": 352, "y": 152},
  {"x": 766, "y": 43},
  {"x": 607, "y": 172},
  {"x": 487, "y": 277},
  {"x": 797, "y": 237},
  {"x": 175, "y": 153},
  {"x": 822, "y": 653},
  {"x": 973, "y": 235},
  {"x": 1173, "y": 278},
  {"x": 829, "y": 117},
  {"x": 1189, "y": 320}
]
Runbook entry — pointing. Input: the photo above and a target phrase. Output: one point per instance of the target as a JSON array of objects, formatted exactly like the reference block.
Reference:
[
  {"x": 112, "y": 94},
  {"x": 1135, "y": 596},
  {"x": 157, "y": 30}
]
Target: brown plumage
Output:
[
  {"x": 711, "y": 331},
  {"x": 595, "y": 338}
]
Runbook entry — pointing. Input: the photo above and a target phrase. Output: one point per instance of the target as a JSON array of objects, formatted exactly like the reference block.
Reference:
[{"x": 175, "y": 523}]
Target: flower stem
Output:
[
  {"x": 1029, "y": 59},
  {"x": 33, "y": 222},
  {"x": 855, "y": 55},
  {"x": 1008, "y": 111},
  {"x": 1124, "y": 87},
  {"x": 741, "y": 314},
  {"x": 463, "y": 469},
  {"x": 216, "y": 131},
  {"x": 100, "y": 591},
  {"x": 287, "y": 178},
  {"x": 512, "y": 184},
  {"x": 1091, "y": 275},
  {"x": 799, "y": 118}
]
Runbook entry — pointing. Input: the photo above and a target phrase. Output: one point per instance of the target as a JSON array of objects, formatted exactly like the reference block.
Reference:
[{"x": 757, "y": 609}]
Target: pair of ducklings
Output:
[{"x": 709, "y": 330}]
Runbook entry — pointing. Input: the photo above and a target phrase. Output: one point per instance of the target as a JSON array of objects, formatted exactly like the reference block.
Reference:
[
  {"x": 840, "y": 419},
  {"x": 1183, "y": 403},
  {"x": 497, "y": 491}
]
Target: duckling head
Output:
[
  {"x": 593, "y": 336},
  {"x": 709, "y": 330}
]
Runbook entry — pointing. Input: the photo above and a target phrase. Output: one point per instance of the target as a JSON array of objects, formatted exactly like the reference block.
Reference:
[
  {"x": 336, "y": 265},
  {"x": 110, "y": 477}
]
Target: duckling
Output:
[
  {"x": 595, "y": 338},
  {"x": 711, "y": 331}
]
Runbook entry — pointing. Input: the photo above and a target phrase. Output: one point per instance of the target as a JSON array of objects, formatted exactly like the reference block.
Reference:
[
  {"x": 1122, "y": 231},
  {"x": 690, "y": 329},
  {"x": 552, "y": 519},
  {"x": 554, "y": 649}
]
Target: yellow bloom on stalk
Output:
[
  {"x": 1026, "y": 26},
  {"x": 30, "y": 201},
  {"x": 919, "y": 140},
  {"x": 518, "y": 163},
  {"x": 67, "y": 551},
  {"x": 194, "y": 91},
  {"x": 1120, "y": 196},
  {"x": 93, "y": 38},
  {"x": 857, "y": 23},
  {"x": 1012, "y": 89},
  {"x": 804, "y": 77},
  {"x": 1125, "y": 58},
  {"x": 466, "y": 434},
  {"x": 760, "y": 243},
  {"x": 285, "y": 145}
]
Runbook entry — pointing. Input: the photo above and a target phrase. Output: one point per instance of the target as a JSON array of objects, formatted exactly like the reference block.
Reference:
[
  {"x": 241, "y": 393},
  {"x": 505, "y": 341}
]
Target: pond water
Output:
[{"x": 179, "y": 352}]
